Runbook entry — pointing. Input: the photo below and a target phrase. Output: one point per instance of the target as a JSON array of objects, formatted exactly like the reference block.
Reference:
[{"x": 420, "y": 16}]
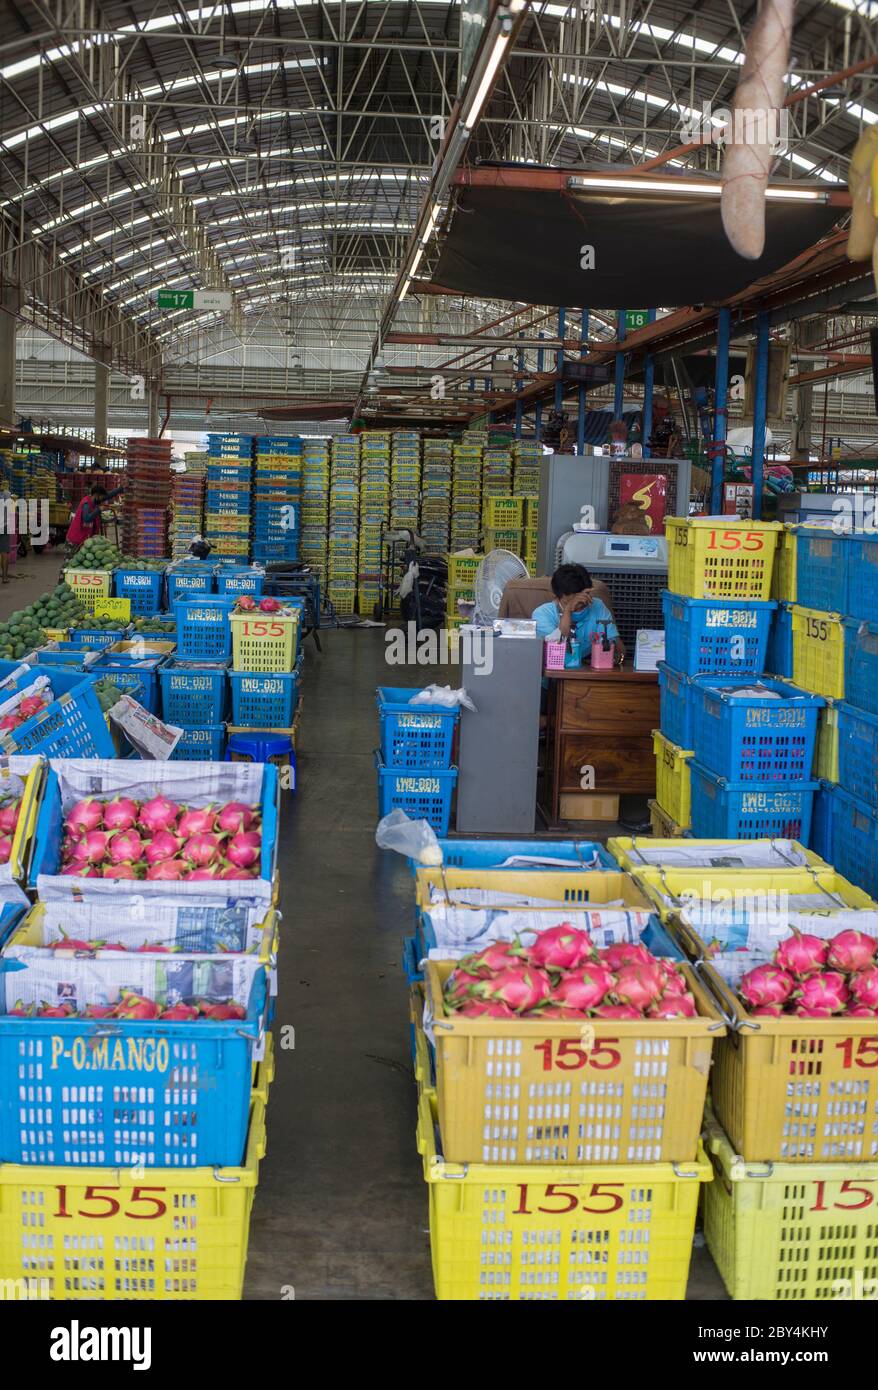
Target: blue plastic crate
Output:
[
  {"x": 93, "y": 638},
  {"x": 204, "y": 744},
  {"x": 858, "y": 752},
  {"x": 418, "y": 736},
  {"x": 194, "y": 693},
  {"x": 424, "y": 794},
  {"x": 728, "y": 810},
  {"x": 821, "y": 821},
  {"x": 203, "y": 628},
  {"x": 861, "y": 664},
  {"x": 186, "y": 583},
  {"x": 715, "y": 636},
  {"x": 276, "y": 550},
  {"x": 238, "y": 581},
  {"x": 72, "y": 726},
  {"x": 750, "y": 739},
  {"x": 264, "y": 699},
  {"x": 72, "y": 658},
  {"x": 675, "y": 705},
  {"x": 143, "y": 588},
  {"x": 577, "y": 855},
  {"x": 410, "y": 960},
  {"x": 779, "y": 654},
  {"x": 854, "y": 830},
  {"x": 862, "y": 577},
  {"x": 141, "y": 685},
  {"x": 821, "y": 569}
]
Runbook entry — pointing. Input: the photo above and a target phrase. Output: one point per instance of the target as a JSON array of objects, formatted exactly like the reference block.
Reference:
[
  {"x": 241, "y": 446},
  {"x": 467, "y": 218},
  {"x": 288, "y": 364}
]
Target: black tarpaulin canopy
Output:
[{"x": 526, "y": 244}]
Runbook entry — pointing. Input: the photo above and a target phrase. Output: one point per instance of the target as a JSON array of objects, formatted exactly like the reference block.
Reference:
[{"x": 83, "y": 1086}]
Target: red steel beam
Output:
[{"x": 854, "y": 363}]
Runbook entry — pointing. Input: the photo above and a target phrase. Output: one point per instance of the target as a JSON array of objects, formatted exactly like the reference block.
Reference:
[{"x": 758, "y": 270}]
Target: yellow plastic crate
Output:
[
  {"x": 228, "y": 523},
  {"x": 661, "y": 824},
  {"x": 56, "y": 634},
  {"x": 786, "y": 1231},
  {"x": 495, "y": 539},
  {"x": 720, "y": 559},
  {"x": 826, "y": 759},
  {"x": 462, "y": 570},
  {"x": 108, "y": 1234},
  {"x": 32, "y": 770},
  {"x": 571, "y": 1233},
  {"x": 783, "y": 578},
  {"x": 672, "y": 780},
  {"x": 89, "y": 585},
  {"x": 818, "y": 652},
  {"x": 504, "y": 513},
  {"x": 590, "y": 887},
  {"x": 531, "y": 512},
  {"x": 626, "y": 851},
  {"x": 264, "y": 641},
  {"x": 466, "y": 593},
  {"x": 758, "y": 888},
  {"x": 542, "y": 1091}
]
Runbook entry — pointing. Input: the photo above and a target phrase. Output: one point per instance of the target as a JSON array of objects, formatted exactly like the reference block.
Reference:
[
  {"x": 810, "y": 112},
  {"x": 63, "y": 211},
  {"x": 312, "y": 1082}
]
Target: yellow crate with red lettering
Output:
[
  {"x": 543, "y": 1091},
  {"x": 112, "y": 1233},
  {"x": 818, "y": 651},
  {"x": 264, "y": 641},
  {"x": 711, "y": 558},
  {"x": 578, "y": 1234},
  {"x": 672, "y": 782},
  {"x": 784, "y": 1231},
  {"x": 89, "y": 585}
]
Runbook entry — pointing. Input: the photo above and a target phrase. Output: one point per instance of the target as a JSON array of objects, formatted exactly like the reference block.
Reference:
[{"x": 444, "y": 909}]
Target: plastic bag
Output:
[
  {"x": 415, "y": 839},
  {"x": 443, "y": 695}
]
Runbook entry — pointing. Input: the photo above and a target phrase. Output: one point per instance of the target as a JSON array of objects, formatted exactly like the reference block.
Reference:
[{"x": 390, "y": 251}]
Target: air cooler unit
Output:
[{"x": 634, "y": 569}]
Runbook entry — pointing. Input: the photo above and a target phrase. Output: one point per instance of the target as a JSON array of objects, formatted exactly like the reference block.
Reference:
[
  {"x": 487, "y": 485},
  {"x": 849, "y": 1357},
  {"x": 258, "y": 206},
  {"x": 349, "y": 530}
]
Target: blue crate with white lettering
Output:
[
  {"x": 71, "y": 726},
  {"x": 419, "y": 735},
  {"x": 749, "y": 810},
  {"x": 184, "y": 583},
  {"x": 194, "y": 692},
  {"x": 276, "y": 550},
  {"x": 264, "y": 699},
  {"x": 423, "y": 793},
  {"x": 821, "y": 569},
  {"x": 203, "y": 628},
  {"x": 240, "y": 579},
  {"x": 716, "y": 636},
  {"x": 675, "y": 706},
  {"x": 143, "y": 588},
  {"x": 747, "y": 737},
  {"x": 779, "y": 653},
  {"x": 204, "y": 744}
]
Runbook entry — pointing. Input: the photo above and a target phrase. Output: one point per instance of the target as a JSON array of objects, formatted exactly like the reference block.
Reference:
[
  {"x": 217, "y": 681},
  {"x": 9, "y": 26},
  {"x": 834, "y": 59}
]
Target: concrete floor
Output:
[{"x": 341, "y": 1210}]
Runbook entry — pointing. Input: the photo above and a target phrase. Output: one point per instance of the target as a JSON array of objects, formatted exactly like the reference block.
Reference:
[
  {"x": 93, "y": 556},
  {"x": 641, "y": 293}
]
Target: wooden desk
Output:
[{"x": 604, "y": 720}]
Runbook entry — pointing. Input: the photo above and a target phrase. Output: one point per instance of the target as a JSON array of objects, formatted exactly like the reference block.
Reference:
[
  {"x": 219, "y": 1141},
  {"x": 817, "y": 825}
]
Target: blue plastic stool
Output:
[{"x": 264, "y": 747}]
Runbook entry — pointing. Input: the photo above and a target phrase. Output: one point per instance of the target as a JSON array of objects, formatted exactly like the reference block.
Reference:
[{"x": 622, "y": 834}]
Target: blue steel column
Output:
[
  {"x": 559, "y": 359},
  {"x": 720, "y": 409},
  {"x": 620, "y": 367},
  {"x": 519, "y": 386},
  {"x": 580, "y": 418},
  {"x": 538, "y": 408},
  {"x": 760, "y": 408},
  {"x": 648, "y": 384}
]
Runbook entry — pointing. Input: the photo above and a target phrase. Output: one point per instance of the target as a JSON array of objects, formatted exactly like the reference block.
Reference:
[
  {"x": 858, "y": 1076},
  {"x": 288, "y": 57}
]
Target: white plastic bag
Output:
[
  {"x": 415, "y": 839},
  {"x": 443, "y": 695}
]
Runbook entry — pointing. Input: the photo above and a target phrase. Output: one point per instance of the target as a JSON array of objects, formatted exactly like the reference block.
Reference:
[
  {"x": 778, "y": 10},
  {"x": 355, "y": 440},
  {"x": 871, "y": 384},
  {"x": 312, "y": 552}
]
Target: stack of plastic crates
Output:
[
  {"x": 462, "y": 570},
  {"x": 414, "y": 759},
  {"x": 277, "y": 495},
  {"x": 503, "y": 523},
  {"x": 227, "y": 517},
  {"x": 436, "y": 493},
  {"x": 466, "y": 495},
  {"x": 315, "y": 504},
  {"x": 496, "y": 482},
  {"x": 375, "y": 450},
  {"x": 147, "y": 497},
  {"x": 344, "y": 515},
  {"x": 405, "y": 480},
  {"x": 187, "y": 511},
  {"x": 527, "y": 455}
]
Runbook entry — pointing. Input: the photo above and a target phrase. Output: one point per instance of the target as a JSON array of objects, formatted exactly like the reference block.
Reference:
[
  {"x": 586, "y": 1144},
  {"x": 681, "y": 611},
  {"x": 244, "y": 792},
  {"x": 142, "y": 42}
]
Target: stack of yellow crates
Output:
[
  {"x": 374, "y": 512},
  {"x": 466, "y": 491},
  {"x": 315, "y": 504},
  {"x": 344, "y": 513},
  {"x": 527, "y": 456},
  {"x": 436, "y": 493}
]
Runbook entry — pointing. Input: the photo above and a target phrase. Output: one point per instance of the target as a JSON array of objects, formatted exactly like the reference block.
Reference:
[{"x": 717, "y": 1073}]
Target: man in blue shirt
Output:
[{"x": 575, "y": 609}]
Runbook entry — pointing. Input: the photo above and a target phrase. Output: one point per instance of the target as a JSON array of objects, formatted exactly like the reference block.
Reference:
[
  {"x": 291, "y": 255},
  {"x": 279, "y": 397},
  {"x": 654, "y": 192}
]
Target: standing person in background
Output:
[
  {"x": 87, "y": 517},
  {"x": 5, "y": 531}
]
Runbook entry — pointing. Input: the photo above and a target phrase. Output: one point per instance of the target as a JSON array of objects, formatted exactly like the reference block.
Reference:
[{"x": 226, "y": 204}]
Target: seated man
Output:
[{"x": 575, "y": 608}]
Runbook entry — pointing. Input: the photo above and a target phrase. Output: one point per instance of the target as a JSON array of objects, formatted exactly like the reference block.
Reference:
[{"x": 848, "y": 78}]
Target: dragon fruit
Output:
[
  {"x": 169, "y": 869},
  {"x": 557, "y": 1011},
  {"x": 767, "y": 1011},
  {"x": 244, "y": 849},
  {"x": 202, "y": 875},
  {"x": 561, "y": 948},
  {"x": 675, "y": 980},
  {"x": 850, "y": 951},
  {"x": 196, "y": 821},
  {"x": 801, "y": 955},
  {"x": 202, "y": 848},
  {"x": 485, "y": 1008},
  {"x": 810, "y": 1011},
  {"x": 493, "y": 958},
  {"x": 639, "y": 985},
  {"x": 120, "y": 813},
  {"x": 674, "y": 1006},
  {"x": 9, "y": 813},
  {"x": 766, "y": 984},
  {"x": 163, "y": 845},
  {"x": 126, "y": 847},
  {"x": 269, "y": 605},
  {"x": 235, "y": 815},
  {"x": 860, "y": 1011},
  {"x": 460, "y": 984},
  {"x": 616, "y": 1011},
  {"x": 121, "y": 871},
  {"x": 5, "y": 849},
  {"x": 94, "y": 846},
  {"x": 828, "y": 990},
  {"x": 158, "y": 814},
  {"x": 584, "y": 988},
  {"x": 625, "y": 953},
  {"x": 522, "y": 987},
  {"x": 864, "y": 987},
  {"x": 85, "y": 815}
]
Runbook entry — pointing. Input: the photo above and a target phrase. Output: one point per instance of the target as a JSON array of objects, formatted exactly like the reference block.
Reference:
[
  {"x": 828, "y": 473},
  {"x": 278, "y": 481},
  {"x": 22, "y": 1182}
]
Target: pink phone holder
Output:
[
  {"x": 555, "y": 654},
  {"x": 601, "y": 660}
]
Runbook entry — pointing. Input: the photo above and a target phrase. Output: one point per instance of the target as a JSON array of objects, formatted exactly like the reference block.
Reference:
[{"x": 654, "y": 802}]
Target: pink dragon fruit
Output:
[
  {"x": 85, "y": 815},
  {"x": 674, "y": 979},
  {"x": 169, "y": 869},
  {"x": 126, "y": 846},
  {"x": 639, "y": 985},
  {"x": 562, "y": 948},
  {"x": 557, "y": 1011},
  {"x": 94, "y": 846},
  {"x": 767, "y": 1011},
  {"x": 120, "y": 813},
  {"x": 828, "y": 990},
  {"x": 235, "y": 816},
  {"x": 461, "y": 984},
  {"x": 198, "y": 875},
  {"x": 766, "y": 984},
  {"x": 493, "y": 958},
  {"x": 850, "y": 951},
  {"x": 625, "y": 953},
  {"x": 522, "y": 987},
  {"x": 202, "y": 849},
  {"x": 860, "y": 1011},
  {"x": 5, "y": 849},
  {"x": 122, "y": 871},
  {"x": 801, "y": 955},
  {"x": 244, "y": 848},
  {"x": 9, "y": 813},
  {"x": 617, "y": 1011},
  {"x": 163, "y": 845},
  {"x": 864, "y": 987},
  {"x": 674, "y": 1006},
  {"x": 196, "y": 821},
  {"x": 158, "y": 814},
  {"x": 584, "y": 988},
  {"x": 485, "y": 1008},
  {"x": 810, "y": 1011}
]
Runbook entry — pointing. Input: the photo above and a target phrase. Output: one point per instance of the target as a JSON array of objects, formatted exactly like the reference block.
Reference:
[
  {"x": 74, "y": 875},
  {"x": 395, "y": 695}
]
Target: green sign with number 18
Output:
[{"x": 636, "y": 318}]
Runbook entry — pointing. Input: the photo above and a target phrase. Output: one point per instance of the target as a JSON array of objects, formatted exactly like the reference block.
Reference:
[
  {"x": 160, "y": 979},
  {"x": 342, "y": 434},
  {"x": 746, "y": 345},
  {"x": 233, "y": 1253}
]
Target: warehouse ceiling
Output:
[{"x": 279, "y": 149}]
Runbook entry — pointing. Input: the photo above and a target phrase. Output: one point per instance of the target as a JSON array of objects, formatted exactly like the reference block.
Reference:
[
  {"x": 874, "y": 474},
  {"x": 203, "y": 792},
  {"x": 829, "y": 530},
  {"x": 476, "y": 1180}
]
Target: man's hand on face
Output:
[{"x": 570, "y": 604}]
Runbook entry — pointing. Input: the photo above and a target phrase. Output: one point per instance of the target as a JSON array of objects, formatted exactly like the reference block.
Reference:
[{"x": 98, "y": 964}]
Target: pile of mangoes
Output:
[{"x": 25, "y": 629}]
